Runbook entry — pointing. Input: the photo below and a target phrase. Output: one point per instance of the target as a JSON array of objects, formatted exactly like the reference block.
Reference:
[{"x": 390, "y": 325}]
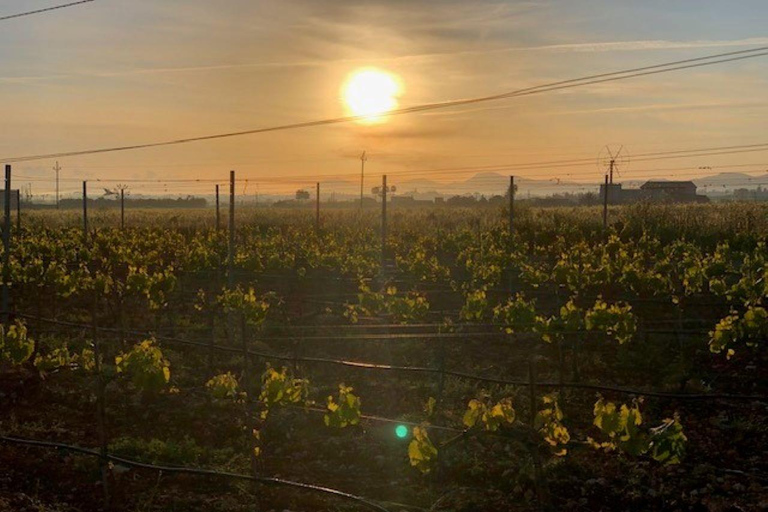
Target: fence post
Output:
[
  {"x": 605, "y": 206},
  {"x": 532, "y": 388},
  {"x": 122, "y": 208},
  {"x": 441, "y": 375},
  {"x": 101, "y": 420},
  {"x": 383, "y": 221},
  {"x": 681, "y": 346},
  {"x": 212, "y": 342},
  {"x": 317, "y": 209},
  {"x": 511, "y": 229},
  {"x": 218, "y": 212},
  {"x": 575, "y": 356},
  {"x": 231, "y": 254},
  {"x": 18, "y": 211},
  {"x": 250, "y": 427},
  {"x": 535, "y": 447},
  {"x": 7, "y": 247},
  {"x": 231, "y": 251},
  {"x": 85, "y": 209},
  {"x": 511, "y": 205},
  {"x": 561, "y": 366}
]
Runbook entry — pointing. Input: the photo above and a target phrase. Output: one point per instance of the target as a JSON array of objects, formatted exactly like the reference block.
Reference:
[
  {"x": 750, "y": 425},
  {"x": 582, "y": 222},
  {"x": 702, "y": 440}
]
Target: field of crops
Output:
[{"x": 463, "y": 366}]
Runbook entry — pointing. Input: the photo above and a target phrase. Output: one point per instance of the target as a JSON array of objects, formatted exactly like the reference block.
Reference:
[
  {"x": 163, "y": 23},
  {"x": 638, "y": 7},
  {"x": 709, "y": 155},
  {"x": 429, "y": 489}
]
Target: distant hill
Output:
[
  {"x": 731, "y": 180},
  {"x": 493, "y": 183}
]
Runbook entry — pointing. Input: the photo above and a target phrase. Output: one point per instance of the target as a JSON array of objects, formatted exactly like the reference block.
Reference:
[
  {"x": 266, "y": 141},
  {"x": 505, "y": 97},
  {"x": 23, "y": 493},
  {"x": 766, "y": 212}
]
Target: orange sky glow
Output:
[{"x": 141, "y": 71}]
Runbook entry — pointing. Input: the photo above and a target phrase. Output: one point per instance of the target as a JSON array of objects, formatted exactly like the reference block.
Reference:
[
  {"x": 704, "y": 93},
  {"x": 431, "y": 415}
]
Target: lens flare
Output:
[{"x": 401, "y": 431}]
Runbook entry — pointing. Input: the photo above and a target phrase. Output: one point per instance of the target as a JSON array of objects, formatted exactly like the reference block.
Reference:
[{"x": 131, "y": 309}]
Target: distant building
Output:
[
  {"x": 615, "y": 192},
  {"x": 744, "y": 194},
  {"x": 403, "y": 201},
  {"x": 680, "y": 191},
  {"x": 408, "y": 201},
  {"x": 658, "y": 191}
]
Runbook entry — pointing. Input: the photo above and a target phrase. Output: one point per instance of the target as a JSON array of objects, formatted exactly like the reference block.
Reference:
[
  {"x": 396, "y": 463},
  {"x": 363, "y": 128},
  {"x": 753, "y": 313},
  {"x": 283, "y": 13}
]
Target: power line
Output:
[
  {"x": 693, "y": 153},
  {"x": 511, "y": 167},
  {"x": 554, "y": 86},
  {"x": 47, "y": 9},
  {"x": 280, "y": 188}
]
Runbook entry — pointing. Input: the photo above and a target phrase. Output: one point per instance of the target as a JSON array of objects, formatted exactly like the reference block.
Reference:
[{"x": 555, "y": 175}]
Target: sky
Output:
[{"x": 117, "y": 72}]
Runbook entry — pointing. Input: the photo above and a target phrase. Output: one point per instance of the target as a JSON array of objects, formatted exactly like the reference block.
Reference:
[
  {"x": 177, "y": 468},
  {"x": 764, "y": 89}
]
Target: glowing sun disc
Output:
[{"x": 370, "y": 93}]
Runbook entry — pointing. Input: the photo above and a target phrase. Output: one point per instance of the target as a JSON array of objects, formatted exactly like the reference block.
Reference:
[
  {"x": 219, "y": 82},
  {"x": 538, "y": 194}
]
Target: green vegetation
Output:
[{"x": 671, "y": 298}]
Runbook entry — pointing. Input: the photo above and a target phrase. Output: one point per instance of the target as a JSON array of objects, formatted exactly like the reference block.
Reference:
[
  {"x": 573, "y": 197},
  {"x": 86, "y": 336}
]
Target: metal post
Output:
[
  {"x": 218, "y": 212},
  {"x": 122, "y": 208},
  {"x": 231, "y": 252},
  {"x": 101, "y": 414},
  {"x": 362, "y": 177},
  {"x": 383, "y": 220},
  {"x": 85, "y": 209},
  {"x": 441, "y": 375},
  {"x": 18, "y": 211},
  {"x": 212, "y": 341},
  {"x": 537, "y": 467},
  {"x": 681, "y": 345},
  {"x": 605, "y": 205},
  {"x": 317, "y": 209},
  {"x": 7, "y": 246},
  {"x": 511, "y": 204},
  {"x": 250, "y": 427},
  {"x": 561, "y": 367},
  {"x": 575, "y": 355},
  {"x": 532, "y": 389}
]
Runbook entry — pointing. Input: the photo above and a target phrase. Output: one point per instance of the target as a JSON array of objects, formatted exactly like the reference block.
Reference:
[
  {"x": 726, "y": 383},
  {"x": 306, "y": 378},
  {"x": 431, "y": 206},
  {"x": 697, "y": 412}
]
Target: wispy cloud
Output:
[
  {"x": 625, "y": 46},
  {"x": 609, "y": 110},
  {"x": 614, "y": 46}
]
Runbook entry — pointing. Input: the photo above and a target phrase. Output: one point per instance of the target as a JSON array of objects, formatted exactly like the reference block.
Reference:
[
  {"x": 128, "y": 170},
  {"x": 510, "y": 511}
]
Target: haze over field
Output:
[
  {"x": 133, "y": 72},
  {"x": 384, "y": 255}
]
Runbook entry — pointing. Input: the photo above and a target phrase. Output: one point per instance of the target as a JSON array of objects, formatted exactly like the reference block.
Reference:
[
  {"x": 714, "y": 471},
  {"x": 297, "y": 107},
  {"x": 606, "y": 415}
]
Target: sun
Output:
[{"x": 370, "y": 93}]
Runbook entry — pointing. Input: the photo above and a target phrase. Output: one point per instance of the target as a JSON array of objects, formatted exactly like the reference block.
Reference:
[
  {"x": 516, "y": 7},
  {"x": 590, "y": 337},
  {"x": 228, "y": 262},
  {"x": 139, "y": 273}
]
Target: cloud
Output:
[
  {"x": 614, "y": 46},
  {"x": 646, "y": 45}
]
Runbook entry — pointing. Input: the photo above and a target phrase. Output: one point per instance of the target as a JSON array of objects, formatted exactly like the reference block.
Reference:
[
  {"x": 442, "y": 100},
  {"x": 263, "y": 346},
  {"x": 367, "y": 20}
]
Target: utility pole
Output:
[
  {"x": 57, "y": 168},
  {"x": 611, "y": 165},
  {"x": 363, "y": 159},
  {"x": 122, "y": 189}
]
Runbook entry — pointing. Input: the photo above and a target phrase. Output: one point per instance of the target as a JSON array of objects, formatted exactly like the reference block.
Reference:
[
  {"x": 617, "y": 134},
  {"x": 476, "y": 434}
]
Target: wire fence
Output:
[
  {"x": 441, "y": 372},
  {"x": 363, "y": 365}
]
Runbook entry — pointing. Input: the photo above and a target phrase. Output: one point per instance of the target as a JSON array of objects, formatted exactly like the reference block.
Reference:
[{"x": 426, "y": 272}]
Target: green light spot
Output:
[{"x": 401, "y": 431}]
